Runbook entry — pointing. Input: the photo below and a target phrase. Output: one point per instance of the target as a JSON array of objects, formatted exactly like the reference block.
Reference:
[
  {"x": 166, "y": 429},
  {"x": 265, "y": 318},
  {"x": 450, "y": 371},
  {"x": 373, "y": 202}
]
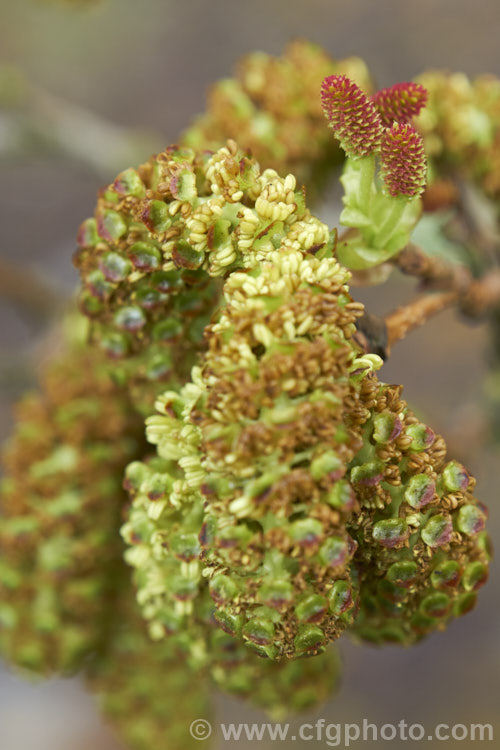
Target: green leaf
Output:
[
  {"x": 430, "y": 235},
  {"x": 385, "y": 224},
  {"x": 354, "y": 217}
]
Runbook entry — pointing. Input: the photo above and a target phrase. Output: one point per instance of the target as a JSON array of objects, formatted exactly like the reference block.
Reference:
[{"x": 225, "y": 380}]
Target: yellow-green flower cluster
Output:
[
  {"x": 61, "y": 501},
  {"x": 163, "y": 524},
  {"x": 247, "y": 489},
  {"x": 281, "y": 380}
]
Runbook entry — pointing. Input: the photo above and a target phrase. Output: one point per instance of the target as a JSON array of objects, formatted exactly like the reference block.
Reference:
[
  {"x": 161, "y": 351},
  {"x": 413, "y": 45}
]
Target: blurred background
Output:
[{"x": 100, "y": 85}]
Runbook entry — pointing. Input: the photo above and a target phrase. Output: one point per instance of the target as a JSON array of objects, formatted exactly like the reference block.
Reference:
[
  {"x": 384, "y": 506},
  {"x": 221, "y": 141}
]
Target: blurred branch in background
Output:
[
  {"x": 30, "y": 294},
  {"x": 33, "y": 121}
]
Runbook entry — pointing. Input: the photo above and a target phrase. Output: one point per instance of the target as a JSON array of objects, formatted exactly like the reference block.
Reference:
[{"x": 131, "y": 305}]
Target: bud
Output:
[
  {"x": 340, "y": 597},
  {"x": 403, "y": 161},
  {"x": 470, "y": 520},
  {"x": 475, "y": 575},
  {"x": 402, "y": 573},
  {"x": 110, "y": 225},
  {"x": 351, "y": 115},
  {"x": 311, "y": 608},
  {"x": 399, "y": 103},
  {"x": 421, "y": 437},
  {"x": 436, "y": 604},
  {"x": 421, "y": 491},
  {"x": 309, "y": 639},
  {"x": 223, "y": 589},
  {"x": 259, "y": 631},
  {"x": 129, "y": 182},
  {"x": 391, "y": 533},
  {"x": 446, "y": 575},
  {"x": 455, "y": 477},
  {"x": 276, "y": 594},
  {"x": 438, "y": 530},
  {"x": 386, "y": 427}
]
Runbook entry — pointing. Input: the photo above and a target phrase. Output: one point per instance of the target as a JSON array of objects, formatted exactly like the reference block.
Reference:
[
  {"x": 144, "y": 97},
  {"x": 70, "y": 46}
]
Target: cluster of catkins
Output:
[{"x": 292, "y": 495}]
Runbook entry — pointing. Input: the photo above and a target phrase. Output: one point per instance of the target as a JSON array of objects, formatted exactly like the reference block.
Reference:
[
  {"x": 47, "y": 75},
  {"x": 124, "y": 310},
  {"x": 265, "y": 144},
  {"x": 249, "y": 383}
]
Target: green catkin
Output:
[
  {"x": 279, "y": 688},
  {"x": 61, "y": 501},
  {"x": 191, "y": 662},
  {"x": 146, "y": 690},
  {"x": 422, "y": 550}
]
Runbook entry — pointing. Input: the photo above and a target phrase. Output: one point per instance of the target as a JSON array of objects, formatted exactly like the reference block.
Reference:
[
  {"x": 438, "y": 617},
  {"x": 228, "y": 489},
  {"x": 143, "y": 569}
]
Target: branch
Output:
[
  {"x": 476, "y": 298},
  {"x": 405, "y": 319},
  {"x": 482, "y": 296},
  {"x": 33, "y": 120},
  {"x": 435, "y": 273}
]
